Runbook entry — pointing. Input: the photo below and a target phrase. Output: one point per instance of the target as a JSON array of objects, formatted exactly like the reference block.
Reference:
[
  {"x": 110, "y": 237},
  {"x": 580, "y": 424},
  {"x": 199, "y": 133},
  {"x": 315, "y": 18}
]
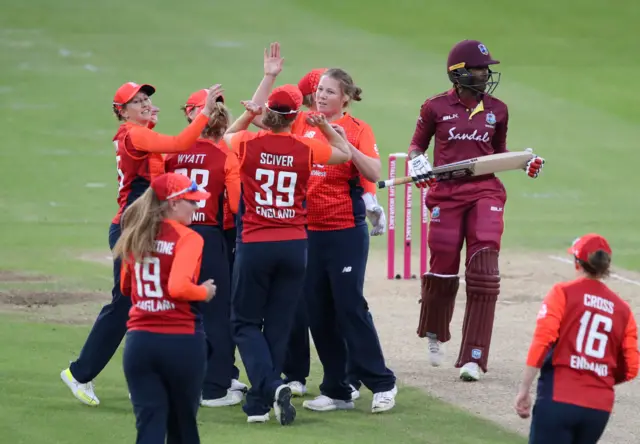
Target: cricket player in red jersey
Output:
[
  {"x": 165, "y": 354},
  {"x": 271, "y": 252},
  {"x": 466, "y": 122},
  {"x": 208, "y": 162},
  {"x": 138, "y": 160},
  {"x": 298, "y": 362},
  {"x": 585, "y": 342},
  {"x": 339, "y": 317}
]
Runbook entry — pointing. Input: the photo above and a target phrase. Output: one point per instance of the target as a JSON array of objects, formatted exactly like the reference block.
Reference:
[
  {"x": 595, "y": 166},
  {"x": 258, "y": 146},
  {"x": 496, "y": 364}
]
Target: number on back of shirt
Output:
[
  {"x": 200, "y": 177},
  {"x": 285, "y": 187},
  {"x": 592, "y": 337},
  {"x": 148, "y": 278}
]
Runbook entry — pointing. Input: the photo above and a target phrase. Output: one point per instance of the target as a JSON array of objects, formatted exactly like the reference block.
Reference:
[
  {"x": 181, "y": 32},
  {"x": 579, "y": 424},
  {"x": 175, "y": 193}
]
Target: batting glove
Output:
[
  {"x": 534, "y": 166},
  {"x": 375, "y": 214},
  {"x": 420, "y": 171}
]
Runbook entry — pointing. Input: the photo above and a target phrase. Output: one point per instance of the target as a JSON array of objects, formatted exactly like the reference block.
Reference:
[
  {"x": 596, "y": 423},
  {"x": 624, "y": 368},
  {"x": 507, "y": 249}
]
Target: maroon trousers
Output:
[{"x": 471, "y": 213}]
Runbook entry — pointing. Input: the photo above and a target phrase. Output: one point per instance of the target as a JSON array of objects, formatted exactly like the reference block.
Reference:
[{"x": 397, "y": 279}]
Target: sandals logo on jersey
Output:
[
  {"x": 483, "y": 49},
  {"x": 491, "y": 120}
]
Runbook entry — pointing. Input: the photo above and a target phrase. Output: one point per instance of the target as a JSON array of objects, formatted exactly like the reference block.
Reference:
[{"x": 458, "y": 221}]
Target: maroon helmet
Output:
[{"x": 471, "y": 54}]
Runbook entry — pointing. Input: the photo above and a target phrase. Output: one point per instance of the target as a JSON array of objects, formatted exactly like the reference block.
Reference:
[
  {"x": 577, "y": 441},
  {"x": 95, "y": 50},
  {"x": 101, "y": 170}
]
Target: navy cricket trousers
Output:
[
  {"x": 164, "y": 374},
  {"x": 560, "y": 423},
  {"x": 267, "y": 283},
  {"x": 339, "y": 316},
  {"x": 216, "y": 314},
  {"x": 109, "y": 328}
]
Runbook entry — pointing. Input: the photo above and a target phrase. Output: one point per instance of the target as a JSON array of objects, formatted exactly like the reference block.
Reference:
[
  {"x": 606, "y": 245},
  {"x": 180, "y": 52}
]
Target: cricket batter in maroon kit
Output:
[{"x": 466, "y": 122}]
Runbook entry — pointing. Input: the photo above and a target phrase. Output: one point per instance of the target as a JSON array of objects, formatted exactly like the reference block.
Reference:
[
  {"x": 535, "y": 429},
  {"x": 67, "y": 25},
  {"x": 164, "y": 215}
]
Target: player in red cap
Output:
[
  {"x": 271, "y": 253},
  {"x": 585, "y": 342},
  {"x": 138, "y": 161},
  {"x": 298, "y": 363},
  {"x": 466, "y": 121},
  {"x": 165, "y": 351},
  {"x": 209, "y": 164}
]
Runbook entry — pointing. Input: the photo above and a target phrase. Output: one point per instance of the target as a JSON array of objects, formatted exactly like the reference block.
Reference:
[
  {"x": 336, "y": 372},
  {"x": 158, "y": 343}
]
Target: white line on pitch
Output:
[{"x": 613, "y": 275}]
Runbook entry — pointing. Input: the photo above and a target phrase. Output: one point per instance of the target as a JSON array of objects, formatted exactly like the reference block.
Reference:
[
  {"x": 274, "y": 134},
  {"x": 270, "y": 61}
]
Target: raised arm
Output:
[
  {"x": 272, "y": 67},
  {"x": 242, "y": 123},
  {"x": 145, "y": 139}
]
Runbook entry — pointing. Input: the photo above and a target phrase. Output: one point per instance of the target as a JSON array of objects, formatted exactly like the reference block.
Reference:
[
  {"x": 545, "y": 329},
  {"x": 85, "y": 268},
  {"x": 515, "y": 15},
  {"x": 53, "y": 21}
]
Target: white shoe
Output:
[
  {"x": 237, "y": 386},
  {"x": 282, "y": 407},
  {"x": 323, "y": 403},
  {"x": 84, "y": 392},
  {"x": 470, "y": 372},
  {"x": 232, "y": 397},
  {"x": 258, "y": 418},
  {"x": 436, "y": 352},
  {"x": 384, "y": 401},
  {"x": 355, "y": 393},
  {"x": 297, "y": 388}
]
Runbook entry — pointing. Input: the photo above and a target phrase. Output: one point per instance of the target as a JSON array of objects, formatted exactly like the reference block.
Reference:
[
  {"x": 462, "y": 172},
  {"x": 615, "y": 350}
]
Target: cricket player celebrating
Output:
[{"x": 466, "y": 121}]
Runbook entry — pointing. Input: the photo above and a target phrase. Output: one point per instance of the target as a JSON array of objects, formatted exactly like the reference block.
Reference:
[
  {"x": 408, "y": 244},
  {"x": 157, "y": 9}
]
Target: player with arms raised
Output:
[
  {"x": 466, "y": 122},
  {"x": 585, "y": 342},
  {"x": 271, "y": 254}
]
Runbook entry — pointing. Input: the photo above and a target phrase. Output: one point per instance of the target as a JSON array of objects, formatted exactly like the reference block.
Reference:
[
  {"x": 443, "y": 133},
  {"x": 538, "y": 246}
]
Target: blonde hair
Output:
[
  {"x": 219, "y": 121},
  {"x": 140, "y": 225},
  {"x": 276, "y": 122}
]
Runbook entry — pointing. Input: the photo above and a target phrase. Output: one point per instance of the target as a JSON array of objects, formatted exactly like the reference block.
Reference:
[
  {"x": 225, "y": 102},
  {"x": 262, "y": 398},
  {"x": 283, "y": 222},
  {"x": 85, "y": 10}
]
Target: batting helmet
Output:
[{"x": 471, "y": 54}]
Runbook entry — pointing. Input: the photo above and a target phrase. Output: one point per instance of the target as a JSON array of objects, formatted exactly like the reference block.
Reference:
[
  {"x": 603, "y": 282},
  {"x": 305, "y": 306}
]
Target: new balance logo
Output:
[
  {"x": 310, "y": 134},
  {"x": 346, "y": 270}
]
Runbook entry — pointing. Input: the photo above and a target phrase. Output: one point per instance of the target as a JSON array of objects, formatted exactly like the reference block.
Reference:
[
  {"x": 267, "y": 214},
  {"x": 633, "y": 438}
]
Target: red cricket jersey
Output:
[
  {"x": 163, "y": 287},
  {"x": 139, "y": 159},
  {"x": 274, "y": 171},
  {"x": 334, "y": 201},
  {"x": 586, "y": 341},
  {"x": 215, "y": 171},
  {"x": 228, "y": 217}
]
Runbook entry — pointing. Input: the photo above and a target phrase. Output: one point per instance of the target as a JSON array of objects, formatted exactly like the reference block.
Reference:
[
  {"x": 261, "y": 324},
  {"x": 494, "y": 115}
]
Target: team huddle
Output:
[{"x": 228, "y": 237}]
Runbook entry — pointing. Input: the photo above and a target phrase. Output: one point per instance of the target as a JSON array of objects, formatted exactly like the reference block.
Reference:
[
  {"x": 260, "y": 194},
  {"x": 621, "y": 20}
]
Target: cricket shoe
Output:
[
  {"x": 232, "y": 397},
  {"x": 258, "y": 418},
  {"x": 436, "y": 352},
  {"x": 470, "y": 372},
  {"x": 297, "y": 388},
  {"x": 384, "y": 401},
  {"x": 237, "y": 386},
  {"x": 282, "y": 407},
  {"x": 355, "y": 393},
  {"x": 323, "y": 403},
  {"x": 84, "y": 392}
]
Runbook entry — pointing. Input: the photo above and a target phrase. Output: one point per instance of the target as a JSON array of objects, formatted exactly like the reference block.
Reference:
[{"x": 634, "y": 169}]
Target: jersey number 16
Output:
[{"x": 593, "y": 335}]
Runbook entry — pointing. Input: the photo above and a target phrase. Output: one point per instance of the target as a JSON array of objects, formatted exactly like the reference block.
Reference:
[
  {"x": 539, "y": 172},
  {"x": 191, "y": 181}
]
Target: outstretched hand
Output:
[
  {"x": 272, "y": 60},
  {"x": 252, "y": 107}
]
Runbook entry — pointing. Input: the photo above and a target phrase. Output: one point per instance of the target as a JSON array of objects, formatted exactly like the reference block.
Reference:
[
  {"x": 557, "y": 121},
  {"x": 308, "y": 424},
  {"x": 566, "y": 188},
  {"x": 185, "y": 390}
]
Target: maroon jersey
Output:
[
  {"x": 461, "y": 132},
  {"x": 163, "y": 287},
  {"x": 135, "y": 169},
  {"x": 582, "y": 337},
  {"x": 215, "y": 171},
  {"x": 274, "y": 172}
]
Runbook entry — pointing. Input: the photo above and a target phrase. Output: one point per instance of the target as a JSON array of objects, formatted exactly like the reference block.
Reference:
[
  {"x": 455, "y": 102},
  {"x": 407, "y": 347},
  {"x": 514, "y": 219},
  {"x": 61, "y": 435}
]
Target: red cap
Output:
[
  {"x": 128, "y": 91},
  {"x": 173, "y": 186},
  {"x": 309, "y": 83},
  {"x": 285, "y": 99},
  {"x": 587, "y": 244},
  {"x": 198, "y": 99}
]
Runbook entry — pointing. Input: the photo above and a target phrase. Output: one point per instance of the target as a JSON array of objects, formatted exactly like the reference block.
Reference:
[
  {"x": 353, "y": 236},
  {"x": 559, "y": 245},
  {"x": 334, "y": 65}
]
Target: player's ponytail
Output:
[
  {"x": 598, "y": 265},
  {"x": 140, "y": 224},
  {"x": 219, "y": 121}
]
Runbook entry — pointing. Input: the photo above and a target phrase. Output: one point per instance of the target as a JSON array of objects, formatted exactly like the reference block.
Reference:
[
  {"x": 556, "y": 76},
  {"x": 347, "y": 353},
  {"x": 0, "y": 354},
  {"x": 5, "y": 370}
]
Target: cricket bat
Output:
[{"x": 477, "y": 166}]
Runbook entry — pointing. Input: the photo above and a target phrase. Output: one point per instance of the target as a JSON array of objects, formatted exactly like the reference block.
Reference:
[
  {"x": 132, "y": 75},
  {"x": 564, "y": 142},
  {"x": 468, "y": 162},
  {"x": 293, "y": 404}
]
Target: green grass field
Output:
[{"x": 567, "y": 77}]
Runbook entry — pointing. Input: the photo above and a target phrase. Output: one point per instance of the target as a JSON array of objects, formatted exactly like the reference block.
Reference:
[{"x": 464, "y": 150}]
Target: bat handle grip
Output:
[{"x": 394, "y": 182}]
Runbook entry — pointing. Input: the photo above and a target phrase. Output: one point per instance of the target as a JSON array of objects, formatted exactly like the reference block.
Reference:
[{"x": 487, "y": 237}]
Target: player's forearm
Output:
[
  {"x": 261, "y": 95},
  {"x": 369, "y": 167},
  {"x": 335, "y": 140},
  {"x": 415, "y": 153},
  {"x": 528, "y": 377},
  {"x": 241, "y": 124}
]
